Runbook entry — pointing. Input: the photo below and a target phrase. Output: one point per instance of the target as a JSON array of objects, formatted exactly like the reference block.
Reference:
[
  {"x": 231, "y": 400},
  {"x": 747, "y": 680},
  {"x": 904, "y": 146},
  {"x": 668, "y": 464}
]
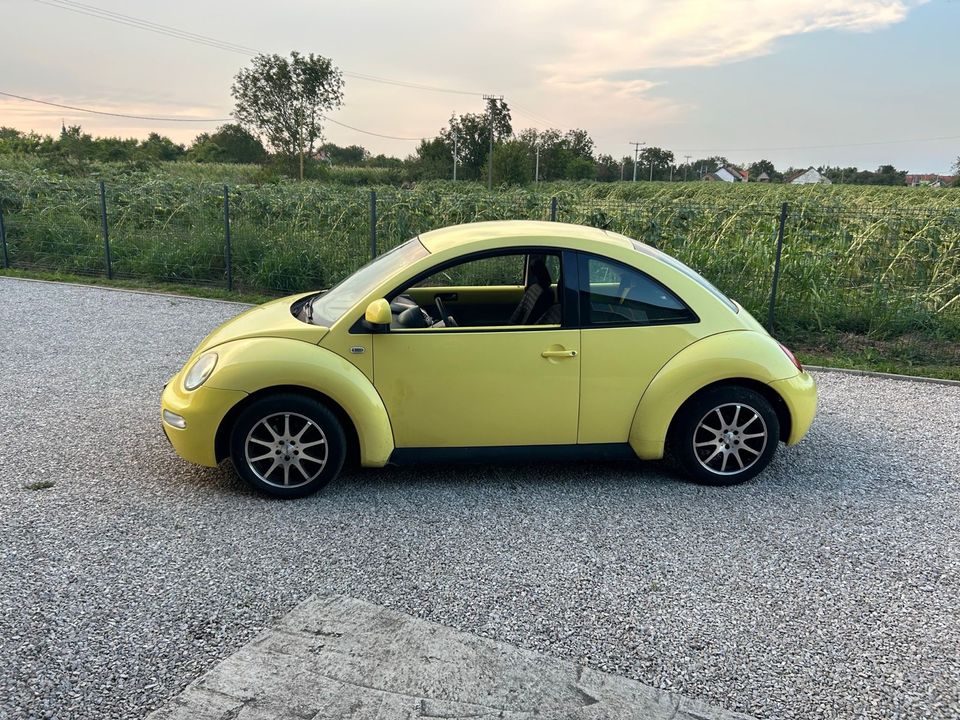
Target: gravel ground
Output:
[{"x": 829, "y": 587}]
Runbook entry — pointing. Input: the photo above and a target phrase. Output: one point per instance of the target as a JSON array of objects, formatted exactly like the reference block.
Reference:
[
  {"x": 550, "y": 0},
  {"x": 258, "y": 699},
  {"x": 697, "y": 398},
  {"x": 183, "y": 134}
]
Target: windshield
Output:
[
  {"x": 329, "y": 307},
  {"x": 688, "y": 271}
]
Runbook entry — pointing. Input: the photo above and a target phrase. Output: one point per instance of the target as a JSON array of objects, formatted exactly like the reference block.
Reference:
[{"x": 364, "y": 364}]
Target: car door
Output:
[
  {"x": 480, "y": 384},
  {"x": 631, "y": 326}
]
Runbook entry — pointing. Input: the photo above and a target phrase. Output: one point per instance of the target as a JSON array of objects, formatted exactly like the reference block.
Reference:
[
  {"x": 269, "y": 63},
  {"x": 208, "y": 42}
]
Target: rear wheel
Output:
[
  {"x": 287, "y": 445},
  {"x": 726, "y": 435}
]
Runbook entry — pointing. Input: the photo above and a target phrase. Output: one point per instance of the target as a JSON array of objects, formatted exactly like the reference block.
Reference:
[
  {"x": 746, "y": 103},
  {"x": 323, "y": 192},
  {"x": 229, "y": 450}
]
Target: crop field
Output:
[{"x": 882, "y": 262}]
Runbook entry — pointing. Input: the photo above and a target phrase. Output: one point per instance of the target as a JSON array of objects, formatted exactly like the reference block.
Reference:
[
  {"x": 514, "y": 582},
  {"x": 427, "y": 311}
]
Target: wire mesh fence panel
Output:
[
  {"x": 403, "y": 214},
  {"x": 167, "y": 233},
  {"x": 291, "y": 238},
  {"x": 876, "y": 271},
  {"x": 732, "y": 246},
  {"x": 848, "y": 265},
  {"x": 53, "y": 225}
]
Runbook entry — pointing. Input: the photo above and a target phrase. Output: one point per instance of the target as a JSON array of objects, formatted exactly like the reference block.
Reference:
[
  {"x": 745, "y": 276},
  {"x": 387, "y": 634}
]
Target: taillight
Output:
[{"x": 793, "y": 358}]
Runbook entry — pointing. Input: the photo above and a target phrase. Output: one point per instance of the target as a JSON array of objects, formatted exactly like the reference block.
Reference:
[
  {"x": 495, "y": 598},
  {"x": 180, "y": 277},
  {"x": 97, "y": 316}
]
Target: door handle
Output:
[
  {"x": 447, "y": 296},
  {"x": 558, "y": 353}
]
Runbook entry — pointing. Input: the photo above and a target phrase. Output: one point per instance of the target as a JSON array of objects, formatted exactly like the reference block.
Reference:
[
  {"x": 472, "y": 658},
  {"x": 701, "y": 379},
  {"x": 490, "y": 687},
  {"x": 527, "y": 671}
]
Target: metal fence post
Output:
[
  {"x": 373, "y": 224},
  {"x": 553, "y": 209},
  {"x": 106, "y": 232},
  {"x": 776, "y": 268},
  {"x": 3, "y": 240},
  {"x": 227, "y": 249}
]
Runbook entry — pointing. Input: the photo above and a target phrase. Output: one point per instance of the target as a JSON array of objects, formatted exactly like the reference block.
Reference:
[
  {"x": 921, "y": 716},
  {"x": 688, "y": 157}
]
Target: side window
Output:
[
  {"x": 614, "y": 294},
  {"x": 516, "y": 288},
  {"x": 482, "y": 272}
]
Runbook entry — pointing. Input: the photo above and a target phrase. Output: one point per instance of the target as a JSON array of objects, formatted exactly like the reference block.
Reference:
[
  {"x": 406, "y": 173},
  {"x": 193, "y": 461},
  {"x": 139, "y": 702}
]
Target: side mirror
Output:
[{"x": 378, "y": 316}]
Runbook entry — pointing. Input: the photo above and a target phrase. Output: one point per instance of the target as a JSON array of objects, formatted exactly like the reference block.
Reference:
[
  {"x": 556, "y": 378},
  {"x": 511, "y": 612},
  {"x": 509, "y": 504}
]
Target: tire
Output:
[
  {"x": 712, "y": 434},
  {"x": 288, "y": 446}
]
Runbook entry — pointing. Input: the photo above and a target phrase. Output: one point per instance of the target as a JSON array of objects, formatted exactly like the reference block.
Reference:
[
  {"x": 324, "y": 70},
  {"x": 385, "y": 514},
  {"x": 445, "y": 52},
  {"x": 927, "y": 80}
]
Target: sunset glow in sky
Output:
[{"x": 780, "y": 79}]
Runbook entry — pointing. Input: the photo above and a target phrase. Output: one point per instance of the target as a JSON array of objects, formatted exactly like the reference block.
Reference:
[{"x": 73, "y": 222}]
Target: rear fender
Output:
[{"x": 735, "y": 354}]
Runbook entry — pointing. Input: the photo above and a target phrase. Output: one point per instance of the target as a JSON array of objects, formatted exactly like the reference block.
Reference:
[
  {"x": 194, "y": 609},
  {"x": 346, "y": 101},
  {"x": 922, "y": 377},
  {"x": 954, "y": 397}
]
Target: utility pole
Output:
[
  {"x": 685, "y": 166},
  {"x": 651, "y": 168},
  {"x": 636, "y": 154},
  {"x": 489, "y": 98},
  {"x": 536, "y": 173},
  {"x": 454, "y": 157},
  {"x": 622, "y": 163}
]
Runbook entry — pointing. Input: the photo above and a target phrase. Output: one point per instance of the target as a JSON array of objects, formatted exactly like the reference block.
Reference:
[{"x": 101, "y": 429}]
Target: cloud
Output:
[
  {"x": 618, "y": 37},
  {"x": 624, "y": 89}
]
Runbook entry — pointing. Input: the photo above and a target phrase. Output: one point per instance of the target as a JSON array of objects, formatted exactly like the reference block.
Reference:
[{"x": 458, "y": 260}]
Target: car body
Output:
[{"x": 485, "y": 340}]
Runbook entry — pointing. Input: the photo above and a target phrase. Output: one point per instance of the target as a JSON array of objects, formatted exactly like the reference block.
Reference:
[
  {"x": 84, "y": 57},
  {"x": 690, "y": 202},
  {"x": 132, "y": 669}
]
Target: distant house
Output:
[
  {"x": 727, "y": 173},
  {"x": 931, "y": 180},
  {"x": 763, "y": 177},
  {"x": 810, "y": 176}
]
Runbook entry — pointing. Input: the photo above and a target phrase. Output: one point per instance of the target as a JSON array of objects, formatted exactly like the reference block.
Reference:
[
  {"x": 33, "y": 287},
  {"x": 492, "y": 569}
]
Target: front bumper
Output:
[
  {"x": 800, "y": 395},
  {"x": 203, "y": 410}
]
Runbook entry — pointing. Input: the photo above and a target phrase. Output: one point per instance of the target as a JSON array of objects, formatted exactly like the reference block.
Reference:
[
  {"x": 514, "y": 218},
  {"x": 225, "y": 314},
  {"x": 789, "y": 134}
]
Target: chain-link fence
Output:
[{"x": 870, "y": 269}]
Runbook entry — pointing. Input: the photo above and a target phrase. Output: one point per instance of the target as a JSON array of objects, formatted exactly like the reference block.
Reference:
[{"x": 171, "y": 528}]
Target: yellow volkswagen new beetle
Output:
[{"x": 487, "y": 341}]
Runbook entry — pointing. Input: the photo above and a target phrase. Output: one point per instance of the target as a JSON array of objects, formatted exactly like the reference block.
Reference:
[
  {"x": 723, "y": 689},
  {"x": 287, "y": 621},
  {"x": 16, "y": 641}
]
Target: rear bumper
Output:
[
  {"x": 203, "y": 410},
  {"x": 800, "y": 395}
]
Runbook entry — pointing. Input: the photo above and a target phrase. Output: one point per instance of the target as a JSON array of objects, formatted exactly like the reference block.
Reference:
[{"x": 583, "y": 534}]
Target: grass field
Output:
[{"x": 876, "y": 262}]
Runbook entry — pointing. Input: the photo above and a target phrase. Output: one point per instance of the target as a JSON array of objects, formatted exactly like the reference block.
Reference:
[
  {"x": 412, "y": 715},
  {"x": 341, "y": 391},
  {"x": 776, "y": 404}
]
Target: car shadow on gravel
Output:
[{"x": 818, "y": 463}]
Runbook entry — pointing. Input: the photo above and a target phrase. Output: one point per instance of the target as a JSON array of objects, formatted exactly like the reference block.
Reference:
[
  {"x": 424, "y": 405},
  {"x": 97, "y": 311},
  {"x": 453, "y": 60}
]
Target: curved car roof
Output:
[{"x": 456, "y": 235}]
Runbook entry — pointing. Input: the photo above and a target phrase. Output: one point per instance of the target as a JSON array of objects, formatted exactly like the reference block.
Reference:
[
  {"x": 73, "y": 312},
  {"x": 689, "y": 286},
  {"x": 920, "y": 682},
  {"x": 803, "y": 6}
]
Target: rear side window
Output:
[{"x": 614, "y": 294}]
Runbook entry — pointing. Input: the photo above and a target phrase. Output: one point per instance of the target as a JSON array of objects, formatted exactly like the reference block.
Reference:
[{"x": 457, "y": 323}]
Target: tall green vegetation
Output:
[{"x": 873, "y": 260}]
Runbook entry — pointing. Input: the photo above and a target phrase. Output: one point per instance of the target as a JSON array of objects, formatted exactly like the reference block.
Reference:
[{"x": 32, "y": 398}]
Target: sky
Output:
[{"x": 798, "y": 82}]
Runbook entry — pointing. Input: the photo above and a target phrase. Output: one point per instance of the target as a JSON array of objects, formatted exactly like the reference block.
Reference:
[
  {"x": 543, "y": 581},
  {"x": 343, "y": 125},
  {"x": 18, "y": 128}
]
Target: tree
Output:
[
  {"x": 74, "y": 150},
  {"x": 889, "y": 175},
  {"x": 384, "y": 161},
  {"x": 841, "y": 175},
  {"x": 580, "y": 168},
  {"x": 160, "y": 147},
  {"x": 608, "y": 168},
  {"x": 579, "y": 144},
  {"x": 14, "y": 141},
  {"x": 956, "y": 167},
  {"x": 433, "y": 160},
  {"x": 349, "y": 155},
  {"x": 512, "y": 163},
  {"x": 657, "y": 162},
  {"x": 284, "y": 100},
  {"x": 230, "y": 143},
  {"x": 756, "y": 169}
]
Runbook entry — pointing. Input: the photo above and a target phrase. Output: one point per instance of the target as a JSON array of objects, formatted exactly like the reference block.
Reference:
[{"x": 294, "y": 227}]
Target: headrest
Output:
[{"x": 538, "y": 273}]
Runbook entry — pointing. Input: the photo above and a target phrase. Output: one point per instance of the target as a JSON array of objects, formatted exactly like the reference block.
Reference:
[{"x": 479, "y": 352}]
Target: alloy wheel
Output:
[
  {"x": 286, "y": 449},
  {"x": 730, "y": 439}
]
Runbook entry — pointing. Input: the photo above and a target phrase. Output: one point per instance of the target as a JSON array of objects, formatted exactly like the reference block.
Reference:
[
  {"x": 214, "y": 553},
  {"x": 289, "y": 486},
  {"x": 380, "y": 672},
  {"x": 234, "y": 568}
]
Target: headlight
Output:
[{"x": 199, "y": 372}]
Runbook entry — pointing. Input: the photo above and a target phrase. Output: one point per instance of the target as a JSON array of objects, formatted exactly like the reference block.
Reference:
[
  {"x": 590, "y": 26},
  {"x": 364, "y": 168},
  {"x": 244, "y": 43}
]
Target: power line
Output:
[
  {"x": 824, "y": 147},
  {"x": 186, "y": 35},
  {"x": 192, "y": 119},
  {"x": 531, "y": 114},
  {"x": 368, "y": 132},
  {"x": 113, "y": 114},
  {"x": 130, "y": 21}
]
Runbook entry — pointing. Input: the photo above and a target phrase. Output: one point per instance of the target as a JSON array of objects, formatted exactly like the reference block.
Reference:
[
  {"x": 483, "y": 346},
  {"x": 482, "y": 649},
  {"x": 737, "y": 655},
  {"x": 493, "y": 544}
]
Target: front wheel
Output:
[
  {"x": 725, "y": 436},
  {"x": 289, "y": 446}
]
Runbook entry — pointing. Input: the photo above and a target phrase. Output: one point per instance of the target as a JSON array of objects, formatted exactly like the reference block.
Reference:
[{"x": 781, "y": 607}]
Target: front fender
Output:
[
  {"x": 735, "y": 354},
  {"x": 256, "y": 364}
]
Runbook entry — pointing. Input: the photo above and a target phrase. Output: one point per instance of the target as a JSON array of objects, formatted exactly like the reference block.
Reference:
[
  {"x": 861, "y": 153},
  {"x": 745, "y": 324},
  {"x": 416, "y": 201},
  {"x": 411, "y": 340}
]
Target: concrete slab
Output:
[{"x": 337, "y": 657}]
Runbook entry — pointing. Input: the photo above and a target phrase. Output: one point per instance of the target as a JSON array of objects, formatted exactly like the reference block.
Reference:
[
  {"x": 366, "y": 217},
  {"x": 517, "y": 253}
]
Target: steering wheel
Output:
[{"x": 448, "y": 320}]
